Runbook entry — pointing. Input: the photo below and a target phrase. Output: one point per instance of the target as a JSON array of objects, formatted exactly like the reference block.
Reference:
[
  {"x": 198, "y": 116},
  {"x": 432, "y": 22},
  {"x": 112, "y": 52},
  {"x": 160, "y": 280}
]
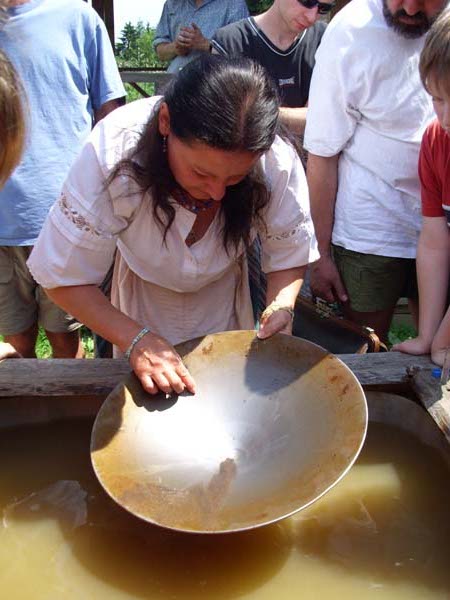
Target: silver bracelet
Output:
[{"x": 137, "y": 338}]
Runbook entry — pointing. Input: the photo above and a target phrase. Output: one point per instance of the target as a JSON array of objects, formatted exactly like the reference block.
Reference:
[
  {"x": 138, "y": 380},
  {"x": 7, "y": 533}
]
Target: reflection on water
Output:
[{"x": 382, "y": 531}]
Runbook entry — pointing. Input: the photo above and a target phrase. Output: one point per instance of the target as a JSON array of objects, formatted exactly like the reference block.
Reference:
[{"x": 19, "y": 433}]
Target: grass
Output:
[{"x": 400, "y": 332}]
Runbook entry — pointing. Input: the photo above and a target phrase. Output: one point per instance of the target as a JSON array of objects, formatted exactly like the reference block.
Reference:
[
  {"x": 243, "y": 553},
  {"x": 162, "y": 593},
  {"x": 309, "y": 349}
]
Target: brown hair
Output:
[
  {"x": 12, "y": 121},
  {"x": 229, "y": 104},
  {"x": 434, "y": 62}
]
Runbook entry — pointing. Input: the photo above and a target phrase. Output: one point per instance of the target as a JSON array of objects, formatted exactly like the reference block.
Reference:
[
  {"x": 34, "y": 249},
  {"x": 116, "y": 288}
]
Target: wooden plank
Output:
[
  {"x": 159, "y": 78},
  {"x": 34, "y": 391},
  {"x": 60, "y": 377},
  {"x": 386, "y": 368},
  {"x": 57, "y": 377}
]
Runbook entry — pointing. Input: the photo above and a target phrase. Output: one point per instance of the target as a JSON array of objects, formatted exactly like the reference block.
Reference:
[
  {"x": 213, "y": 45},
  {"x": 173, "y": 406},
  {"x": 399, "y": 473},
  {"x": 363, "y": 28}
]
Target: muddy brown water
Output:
[{"x": 382, "y": 532}]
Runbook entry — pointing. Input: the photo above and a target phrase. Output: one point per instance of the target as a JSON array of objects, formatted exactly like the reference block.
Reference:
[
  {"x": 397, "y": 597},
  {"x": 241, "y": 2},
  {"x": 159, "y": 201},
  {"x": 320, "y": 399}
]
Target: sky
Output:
[{"x": 135, "y": 10}]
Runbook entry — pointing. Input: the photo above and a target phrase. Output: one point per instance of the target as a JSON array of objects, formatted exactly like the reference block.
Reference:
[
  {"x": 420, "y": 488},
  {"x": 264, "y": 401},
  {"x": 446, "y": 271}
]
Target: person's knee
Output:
[
  {"x": 66, "y": 344},
  {"x": 24, "y": 342}
]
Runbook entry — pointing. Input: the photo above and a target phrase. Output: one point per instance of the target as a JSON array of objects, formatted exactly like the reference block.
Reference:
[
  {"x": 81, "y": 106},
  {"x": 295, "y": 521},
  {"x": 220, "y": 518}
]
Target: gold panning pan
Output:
[{"x": 273, "y": 426}]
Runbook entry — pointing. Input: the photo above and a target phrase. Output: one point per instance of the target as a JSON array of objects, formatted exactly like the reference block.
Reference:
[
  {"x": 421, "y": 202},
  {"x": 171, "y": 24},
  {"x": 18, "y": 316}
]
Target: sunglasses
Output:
[{"x": 323, "y": 7}]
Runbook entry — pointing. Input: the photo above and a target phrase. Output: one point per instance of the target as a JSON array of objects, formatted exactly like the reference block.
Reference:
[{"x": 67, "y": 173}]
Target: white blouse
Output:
[{"x": 78, "y": 240}]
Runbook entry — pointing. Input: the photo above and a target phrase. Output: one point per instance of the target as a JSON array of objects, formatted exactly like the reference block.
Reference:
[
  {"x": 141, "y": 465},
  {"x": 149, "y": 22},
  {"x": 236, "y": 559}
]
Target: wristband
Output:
[
  {"x": 274, "y": 307},
  {"x": 135, "y": 340}
]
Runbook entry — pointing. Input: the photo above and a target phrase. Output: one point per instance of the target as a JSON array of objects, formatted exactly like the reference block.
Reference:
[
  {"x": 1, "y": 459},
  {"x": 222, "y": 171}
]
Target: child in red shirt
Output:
[{"x": 433, "y": 252}]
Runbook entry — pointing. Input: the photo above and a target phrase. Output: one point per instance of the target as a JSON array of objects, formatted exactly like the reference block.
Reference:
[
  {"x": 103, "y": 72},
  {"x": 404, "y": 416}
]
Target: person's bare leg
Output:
[
  {"x": 24, "y": 343},
  {"x": 379, "y": 321},
  {"x": 413, "y": 305},
  {"x": 66, "y": 345}
]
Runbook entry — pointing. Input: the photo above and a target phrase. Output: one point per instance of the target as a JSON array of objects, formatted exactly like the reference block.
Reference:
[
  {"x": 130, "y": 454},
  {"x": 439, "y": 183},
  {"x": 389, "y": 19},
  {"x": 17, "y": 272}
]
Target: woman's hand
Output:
[
  {"x": 8, "y": 351},
  {"x": 159, "y": 367},
  {"x": 280, "y": 321}
]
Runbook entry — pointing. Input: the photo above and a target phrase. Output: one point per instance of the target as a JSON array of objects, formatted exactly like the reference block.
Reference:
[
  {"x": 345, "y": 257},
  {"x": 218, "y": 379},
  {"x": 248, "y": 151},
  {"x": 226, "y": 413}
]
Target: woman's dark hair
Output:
[{"x": 229, "y": 104}]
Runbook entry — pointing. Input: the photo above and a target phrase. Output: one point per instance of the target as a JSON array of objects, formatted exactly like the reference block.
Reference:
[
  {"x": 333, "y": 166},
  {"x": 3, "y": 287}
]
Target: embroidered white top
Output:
[{"x": 77, "y": 243}]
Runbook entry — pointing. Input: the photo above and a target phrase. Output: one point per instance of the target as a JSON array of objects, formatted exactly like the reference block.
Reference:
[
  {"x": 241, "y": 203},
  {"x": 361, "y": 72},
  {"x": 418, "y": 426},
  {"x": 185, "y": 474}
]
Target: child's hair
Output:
[
  {"x": 434, "y": 63},
  {"x": 12, "y": 119}
]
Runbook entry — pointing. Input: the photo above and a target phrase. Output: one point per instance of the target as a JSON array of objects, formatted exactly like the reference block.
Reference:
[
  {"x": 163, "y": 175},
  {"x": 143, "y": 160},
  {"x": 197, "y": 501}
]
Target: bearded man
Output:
[{"x": 367, "y": 113}]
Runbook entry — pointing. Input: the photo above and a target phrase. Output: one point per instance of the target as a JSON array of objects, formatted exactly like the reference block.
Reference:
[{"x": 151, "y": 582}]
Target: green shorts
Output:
[
  {"x": 22, "y": 301},
  {"x": 375, "y": 283}
]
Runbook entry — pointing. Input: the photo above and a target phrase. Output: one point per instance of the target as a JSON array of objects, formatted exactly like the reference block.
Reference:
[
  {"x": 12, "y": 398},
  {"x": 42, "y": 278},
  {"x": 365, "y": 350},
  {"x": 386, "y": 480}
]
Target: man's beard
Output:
[{"x": 409, "y": 30}]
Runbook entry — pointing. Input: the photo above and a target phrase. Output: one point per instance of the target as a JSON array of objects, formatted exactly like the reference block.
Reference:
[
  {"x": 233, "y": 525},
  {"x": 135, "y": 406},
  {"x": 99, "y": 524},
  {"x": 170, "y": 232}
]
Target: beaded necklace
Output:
[{"x": 190, "y": 203}]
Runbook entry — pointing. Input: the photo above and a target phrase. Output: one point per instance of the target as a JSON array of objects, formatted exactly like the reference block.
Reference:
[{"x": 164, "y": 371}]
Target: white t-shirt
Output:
[
  {"x": 77, "y": 243},
  {"x": 367, "y": 103}
]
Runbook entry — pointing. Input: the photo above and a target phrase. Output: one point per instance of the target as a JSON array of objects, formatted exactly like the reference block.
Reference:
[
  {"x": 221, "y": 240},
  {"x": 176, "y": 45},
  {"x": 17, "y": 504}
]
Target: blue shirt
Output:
[
  {"x": 62, "y": 52},
  {"x": 209, "y": 16}
]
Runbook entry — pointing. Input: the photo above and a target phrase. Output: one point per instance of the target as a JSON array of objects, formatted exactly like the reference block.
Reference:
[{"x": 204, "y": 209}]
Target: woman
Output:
[
  {"x": 12, "y": 136},
  {"x": 178, "y": 187}
]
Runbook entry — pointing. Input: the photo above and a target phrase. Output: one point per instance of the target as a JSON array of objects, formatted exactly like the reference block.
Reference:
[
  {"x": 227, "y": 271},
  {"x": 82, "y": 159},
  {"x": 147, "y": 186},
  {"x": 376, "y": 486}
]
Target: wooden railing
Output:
[{"x": 133, "y": 77}]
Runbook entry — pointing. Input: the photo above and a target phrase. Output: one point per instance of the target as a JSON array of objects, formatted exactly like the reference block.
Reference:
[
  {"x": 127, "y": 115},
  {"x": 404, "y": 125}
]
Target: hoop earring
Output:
[{"x": 164, "y": 144}]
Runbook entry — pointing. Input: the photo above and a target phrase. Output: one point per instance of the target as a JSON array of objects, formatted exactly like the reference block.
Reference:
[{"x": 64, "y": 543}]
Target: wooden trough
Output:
[
  {"x": 37, "y": 391},
  {"x": 61, "y": 532}
]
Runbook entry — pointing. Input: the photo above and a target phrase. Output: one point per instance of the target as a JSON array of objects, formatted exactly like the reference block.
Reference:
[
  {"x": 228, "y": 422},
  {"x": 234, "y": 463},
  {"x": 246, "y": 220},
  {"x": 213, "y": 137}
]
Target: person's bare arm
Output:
[
  {"x": 322, "y": 176},
  {"x": 294, "y": 118},
  {"x": 108, "y": 107},
  {"x": 153, "y": 359},
  {"x": 433, "y": 269},
  {"x": 166, "y": 51},
  {"x": 283, "y": 288},
  {"x": 441, "y": 341}
]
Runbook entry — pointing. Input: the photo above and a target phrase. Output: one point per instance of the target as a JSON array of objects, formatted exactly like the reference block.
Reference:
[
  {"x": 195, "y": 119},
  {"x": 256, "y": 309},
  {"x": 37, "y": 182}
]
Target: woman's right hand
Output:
[{"x": 159, "y": 367}]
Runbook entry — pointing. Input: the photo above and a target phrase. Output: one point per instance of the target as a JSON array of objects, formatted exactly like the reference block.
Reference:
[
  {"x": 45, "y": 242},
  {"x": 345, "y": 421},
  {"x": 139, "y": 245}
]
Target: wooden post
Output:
[{"x": 105, "y": 9}]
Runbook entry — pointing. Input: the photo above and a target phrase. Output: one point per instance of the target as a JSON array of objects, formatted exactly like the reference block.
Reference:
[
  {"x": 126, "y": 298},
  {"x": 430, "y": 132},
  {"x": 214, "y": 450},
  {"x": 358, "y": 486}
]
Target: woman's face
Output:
[{"x": 202, "y": 171}]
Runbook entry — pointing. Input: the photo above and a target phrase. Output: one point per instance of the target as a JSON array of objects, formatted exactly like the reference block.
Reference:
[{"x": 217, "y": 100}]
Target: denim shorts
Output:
[
  {"x": 373, "y": 282},
  {"x": 22, "y": 301}
]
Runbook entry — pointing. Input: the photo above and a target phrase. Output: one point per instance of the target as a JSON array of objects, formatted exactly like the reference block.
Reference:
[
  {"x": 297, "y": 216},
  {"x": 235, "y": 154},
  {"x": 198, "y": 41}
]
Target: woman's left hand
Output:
[
  {"x": 279, "y": 321},
  {"x": 8, "y": 351}
]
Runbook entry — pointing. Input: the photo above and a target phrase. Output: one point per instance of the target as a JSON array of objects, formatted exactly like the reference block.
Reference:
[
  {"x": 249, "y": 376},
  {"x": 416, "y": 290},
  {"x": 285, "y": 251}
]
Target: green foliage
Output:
[
  {"x": 258, "y": 6},
  {"x": 135, "y": 47},
  {"x": 400, "y": 332},
  {"x": 133, "y": 94}
]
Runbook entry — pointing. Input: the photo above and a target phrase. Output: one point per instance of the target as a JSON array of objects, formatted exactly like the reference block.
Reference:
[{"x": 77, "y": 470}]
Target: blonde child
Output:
[{"x": 433, "y": 253}]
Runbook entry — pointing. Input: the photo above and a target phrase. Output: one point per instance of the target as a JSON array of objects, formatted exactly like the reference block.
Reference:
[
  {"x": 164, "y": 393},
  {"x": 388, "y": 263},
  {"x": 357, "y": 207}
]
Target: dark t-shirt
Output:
[{"x": 291, "y": 69}]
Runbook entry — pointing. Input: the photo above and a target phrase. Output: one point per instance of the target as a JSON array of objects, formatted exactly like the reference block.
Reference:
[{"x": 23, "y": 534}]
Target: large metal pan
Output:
[{"x": 273, "y": 426}]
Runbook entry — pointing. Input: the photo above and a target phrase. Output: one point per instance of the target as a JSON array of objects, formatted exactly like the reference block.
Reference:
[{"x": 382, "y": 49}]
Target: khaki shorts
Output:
[
  {"x": 375, "y": 283},
  {"x": 22, "y": 301}
]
